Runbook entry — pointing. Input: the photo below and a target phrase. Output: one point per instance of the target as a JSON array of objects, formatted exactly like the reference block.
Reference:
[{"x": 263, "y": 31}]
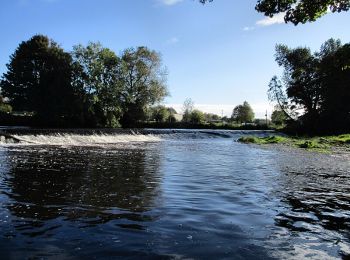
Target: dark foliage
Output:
[
  {"x": 39, "y": 80},
  {"x": 90, "y": 87},
  {"x": 316, "y": 85},
  {"x": 299, "y": 11}
]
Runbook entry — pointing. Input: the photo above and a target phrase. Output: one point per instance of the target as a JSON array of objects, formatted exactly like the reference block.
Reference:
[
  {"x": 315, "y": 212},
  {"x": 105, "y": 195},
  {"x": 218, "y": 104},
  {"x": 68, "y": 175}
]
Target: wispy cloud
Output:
[
  {"x": 248, "y": 28},
  {"x": 172, "y": 40},
  {"x": 267, "y": 21},
  {"x": 169, "y": 2}
]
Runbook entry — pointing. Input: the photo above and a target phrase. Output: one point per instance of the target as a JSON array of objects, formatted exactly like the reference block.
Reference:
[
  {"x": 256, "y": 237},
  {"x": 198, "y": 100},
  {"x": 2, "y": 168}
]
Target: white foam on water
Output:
[
  {"x": 117, "y": 139},
  {"x": 80, "y": 140}
]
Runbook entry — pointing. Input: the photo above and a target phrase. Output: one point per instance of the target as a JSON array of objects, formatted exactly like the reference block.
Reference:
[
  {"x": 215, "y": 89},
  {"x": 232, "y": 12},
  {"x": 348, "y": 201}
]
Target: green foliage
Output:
[
  {"x": 316, "y": 85},
  {"x": 319, "y": 144},
  {"x": 243, "y": 113},
  {"x": 5, "y": 108},
  {"x": 160, "y": 114},
  {"x": 197, "y": 117},
  {"x": 91, "y": 86},
  {"x": 143, "y": 79},
  {"x": 191, "y": 115},
  {"x": 209, "y": 117},
  {"x": 278, "y": 117},
  {"x": 97, "y": 78},
  {"x": 299, "y": 11},
  {"x": 38, "y": 80},
  {"x": 340, "y": 139},
  {"x": 275, "y": 139}
]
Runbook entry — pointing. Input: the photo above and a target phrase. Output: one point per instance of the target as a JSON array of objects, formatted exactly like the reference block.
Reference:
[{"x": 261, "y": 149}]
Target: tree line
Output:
[
  {"x": 93, "y": 87},
  {"x": 88, "y": 87},
  {"x": 241, "y": 114}
]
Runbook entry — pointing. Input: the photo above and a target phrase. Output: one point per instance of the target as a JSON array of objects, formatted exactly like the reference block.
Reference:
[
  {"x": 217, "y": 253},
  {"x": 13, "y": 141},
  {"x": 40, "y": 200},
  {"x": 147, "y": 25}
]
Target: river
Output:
[{"x": 170, "y": 195}]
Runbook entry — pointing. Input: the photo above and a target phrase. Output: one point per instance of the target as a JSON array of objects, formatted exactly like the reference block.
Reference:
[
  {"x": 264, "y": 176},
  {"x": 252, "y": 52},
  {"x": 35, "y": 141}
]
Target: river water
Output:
[{"x": 175, "y": 195}]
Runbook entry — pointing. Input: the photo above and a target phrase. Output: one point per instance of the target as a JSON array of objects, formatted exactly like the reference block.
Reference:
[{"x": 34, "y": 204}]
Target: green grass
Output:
[
  {"x": 321, "y": 144},
  {"x": 274, "y": 139},
  {"x": 340, "y": 139}
]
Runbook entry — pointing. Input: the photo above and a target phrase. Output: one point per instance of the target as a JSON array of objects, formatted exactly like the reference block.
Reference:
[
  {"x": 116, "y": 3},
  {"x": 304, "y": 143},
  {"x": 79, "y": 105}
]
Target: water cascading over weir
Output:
[{"x": 86, "y": 137}]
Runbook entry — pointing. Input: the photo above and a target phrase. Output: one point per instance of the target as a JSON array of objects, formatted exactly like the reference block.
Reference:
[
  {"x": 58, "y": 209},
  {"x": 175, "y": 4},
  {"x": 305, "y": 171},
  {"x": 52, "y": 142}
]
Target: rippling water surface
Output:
[{"x": 194, "y": 195}]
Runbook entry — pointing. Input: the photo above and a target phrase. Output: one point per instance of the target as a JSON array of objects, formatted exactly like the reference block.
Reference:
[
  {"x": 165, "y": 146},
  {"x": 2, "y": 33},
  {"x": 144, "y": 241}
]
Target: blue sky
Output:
[{"x": 219, "y": 54}]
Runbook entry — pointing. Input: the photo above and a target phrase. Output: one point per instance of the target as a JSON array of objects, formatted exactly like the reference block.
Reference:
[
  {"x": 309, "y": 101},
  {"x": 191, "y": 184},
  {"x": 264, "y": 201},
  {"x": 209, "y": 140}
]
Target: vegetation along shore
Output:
[{"x": 316, "y": 143}]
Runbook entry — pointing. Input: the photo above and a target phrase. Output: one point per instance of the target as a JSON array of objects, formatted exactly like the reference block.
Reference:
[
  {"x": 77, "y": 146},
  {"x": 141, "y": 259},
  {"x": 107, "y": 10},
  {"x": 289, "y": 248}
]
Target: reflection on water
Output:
[
  {"x": 314, "y": 191},
  {"x": 178, "y": 198}
]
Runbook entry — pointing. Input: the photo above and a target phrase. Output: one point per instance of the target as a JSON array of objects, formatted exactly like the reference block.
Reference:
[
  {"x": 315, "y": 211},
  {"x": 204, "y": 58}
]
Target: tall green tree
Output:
[
  {"x": 38, "y": 80},
  {"x": 98, "y": 73},
  {"x": 197, "y": 117},
  {"x": 300, "y": 75},
  {"x": 243, "y": 113},
  {"x": 143, "y": 80},
  {"x": 315, "y": 84}
]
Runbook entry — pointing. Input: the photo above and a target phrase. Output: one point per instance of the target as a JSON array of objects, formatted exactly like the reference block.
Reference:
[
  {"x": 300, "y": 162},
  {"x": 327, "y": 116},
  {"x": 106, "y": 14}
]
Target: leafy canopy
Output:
[
  {"x": 299, "y": 11},
  {"x": 243, "y": 113},
  {"x": 91, "y": 86},
  {"x": 317, "y": 85},
  {"x": 38, "y": 79},
  {"x": 144, "y": 82},
  {"x": 97, "y": 77}
]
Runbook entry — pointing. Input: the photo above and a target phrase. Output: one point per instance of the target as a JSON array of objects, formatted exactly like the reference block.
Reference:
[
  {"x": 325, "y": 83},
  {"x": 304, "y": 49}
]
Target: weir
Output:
[{"x": 85, "y": 137}]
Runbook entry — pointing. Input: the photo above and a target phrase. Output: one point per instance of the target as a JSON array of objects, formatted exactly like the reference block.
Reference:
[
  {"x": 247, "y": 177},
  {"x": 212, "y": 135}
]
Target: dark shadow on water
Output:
[{"x": 80, "y": 187}]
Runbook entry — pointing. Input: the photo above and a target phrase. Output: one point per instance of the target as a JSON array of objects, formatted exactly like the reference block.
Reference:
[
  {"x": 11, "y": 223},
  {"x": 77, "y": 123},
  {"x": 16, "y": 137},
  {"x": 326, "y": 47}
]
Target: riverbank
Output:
[
  {"x": 318, "y": 143},
  {"x": 211, "y": 126}
]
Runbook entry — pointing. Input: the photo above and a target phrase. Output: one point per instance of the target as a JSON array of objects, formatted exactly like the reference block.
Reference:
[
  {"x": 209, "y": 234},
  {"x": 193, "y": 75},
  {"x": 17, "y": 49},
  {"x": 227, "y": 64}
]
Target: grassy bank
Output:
[{"x": 320, "y": 143}]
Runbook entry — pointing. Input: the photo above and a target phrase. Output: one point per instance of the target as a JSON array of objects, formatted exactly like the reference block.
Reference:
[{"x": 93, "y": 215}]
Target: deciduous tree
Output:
[
  {"x": 187, "y": 109},
  {"x": 315, "y": 84},
  {"x": 98, "y": 72},
  {"x": 143, "y": 80},
  {"x": 243, "y": 113}
]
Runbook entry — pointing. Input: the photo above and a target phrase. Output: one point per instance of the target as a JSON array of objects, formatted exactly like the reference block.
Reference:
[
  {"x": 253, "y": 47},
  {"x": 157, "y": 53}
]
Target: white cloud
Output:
[
  {"x": 248, "y": 28},
  {"x": 267, "y": 21},
  {"x": 172, "y": 40},
  {"x": 169, "y": 2}
]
